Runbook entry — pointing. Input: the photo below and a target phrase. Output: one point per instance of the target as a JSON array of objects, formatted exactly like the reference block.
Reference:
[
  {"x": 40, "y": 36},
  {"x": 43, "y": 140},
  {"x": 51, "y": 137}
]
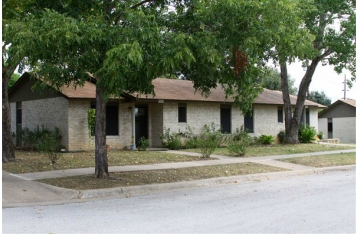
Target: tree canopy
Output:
[
  {"x": 319, "y": 97},
  {"x": 272, "y": 81}
]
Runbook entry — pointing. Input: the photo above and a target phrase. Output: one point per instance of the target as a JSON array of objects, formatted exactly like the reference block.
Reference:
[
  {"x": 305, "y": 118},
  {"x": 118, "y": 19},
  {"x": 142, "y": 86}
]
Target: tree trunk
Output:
[
  {"x": 8, "y": 151},
  {"x": 292, "y": 120},
  {"x": 101, "y": 161},
  {"x": 291, "y": 123}
]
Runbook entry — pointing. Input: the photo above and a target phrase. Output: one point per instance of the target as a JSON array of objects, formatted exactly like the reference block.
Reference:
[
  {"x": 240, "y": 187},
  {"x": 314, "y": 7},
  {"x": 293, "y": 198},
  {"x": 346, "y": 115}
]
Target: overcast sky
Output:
[{"x": 324, "y": 79}]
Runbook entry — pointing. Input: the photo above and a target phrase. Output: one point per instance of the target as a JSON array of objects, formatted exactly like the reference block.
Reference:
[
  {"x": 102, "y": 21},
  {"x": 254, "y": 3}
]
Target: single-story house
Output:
[
  {"x": 176, "y": 105},
  {"x": 339, "y": 121}
]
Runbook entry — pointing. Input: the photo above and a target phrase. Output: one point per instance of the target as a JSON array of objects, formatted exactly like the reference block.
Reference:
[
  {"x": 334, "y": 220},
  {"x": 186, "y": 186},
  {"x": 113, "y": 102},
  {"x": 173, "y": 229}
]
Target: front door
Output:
[{"x": 141, "y": 123}]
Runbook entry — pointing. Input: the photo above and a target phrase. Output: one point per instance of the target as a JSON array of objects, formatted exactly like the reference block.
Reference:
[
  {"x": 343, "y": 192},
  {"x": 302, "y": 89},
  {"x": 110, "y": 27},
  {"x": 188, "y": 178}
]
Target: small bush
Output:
[
  {"x": 171, "y": 140},
  {"x": 43, "y": 140},
  {"x": 239, "y": 142},
  {"x": 266, "y": 139},
  {"x": 209, "y": 140},
  {"x": 281, "y": 136},
  {"x": 144, "y": 143},
  {"x": 306, "y": 134},
  {"x": 320, "y": 135}
]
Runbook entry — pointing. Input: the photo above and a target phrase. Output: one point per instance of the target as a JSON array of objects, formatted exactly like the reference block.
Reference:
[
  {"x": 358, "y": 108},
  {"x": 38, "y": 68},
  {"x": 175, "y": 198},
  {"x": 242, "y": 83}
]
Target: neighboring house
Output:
[
  {"x": 339, "y": 121},
  {"x": 176, "y": 105}
]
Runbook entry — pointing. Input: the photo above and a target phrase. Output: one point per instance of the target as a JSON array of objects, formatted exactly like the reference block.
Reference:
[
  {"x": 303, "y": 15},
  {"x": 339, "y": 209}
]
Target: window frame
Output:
[
  {"x": 117, "y": 125},
  {"x": 280, "y": 116},
  {"x": 182, "y": 113}
]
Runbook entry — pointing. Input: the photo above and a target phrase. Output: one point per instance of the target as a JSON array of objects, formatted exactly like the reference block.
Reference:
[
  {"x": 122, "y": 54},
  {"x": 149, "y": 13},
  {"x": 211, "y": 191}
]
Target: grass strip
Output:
[
  {"x": 120, "y": 179},
  {"x": 30, "y": 161},
  {"x": 329, "y": 160},
  {"x": 280, "y": 149}
]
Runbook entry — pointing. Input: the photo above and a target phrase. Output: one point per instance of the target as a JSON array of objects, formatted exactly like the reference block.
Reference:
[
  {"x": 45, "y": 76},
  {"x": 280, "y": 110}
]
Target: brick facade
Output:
[{"x": 48, "y": 112}]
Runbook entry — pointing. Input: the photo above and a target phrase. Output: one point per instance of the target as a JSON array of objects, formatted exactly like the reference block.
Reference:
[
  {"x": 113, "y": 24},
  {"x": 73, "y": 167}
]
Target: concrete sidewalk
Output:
[{"x": 22, "y": 190}]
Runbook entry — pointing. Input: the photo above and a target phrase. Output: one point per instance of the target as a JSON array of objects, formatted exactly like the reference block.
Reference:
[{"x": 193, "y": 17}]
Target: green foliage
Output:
[
  {"x": 191, "y": 140},
  {"x": 171, "y": 140},
  {"x": 281, "y": 136},
  {"x": 271, "y": 80},
  {"x": 239, "y": 142},
  {"x": 266, "y": 139},
  {"x": 144, "y": 143},
  {"x": 14, "y": 77},
  {"x": 209, "y": 139},
  {"x": 43, "y": 140},
  {"x": 320, "y": 135},
  {"x": 91, "y": 121},
  {"x": 320, "y": 98},
  {"x": 306, "y": 134}
]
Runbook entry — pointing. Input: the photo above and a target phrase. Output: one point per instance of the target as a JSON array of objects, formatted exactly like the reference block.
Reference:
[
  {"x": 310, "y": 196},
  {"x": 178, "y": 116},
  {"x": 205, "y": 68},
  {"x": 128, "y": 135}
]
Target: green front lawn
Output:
[
  {"x": 30, "y": 161},
  {"x": 276, "y": 149}
]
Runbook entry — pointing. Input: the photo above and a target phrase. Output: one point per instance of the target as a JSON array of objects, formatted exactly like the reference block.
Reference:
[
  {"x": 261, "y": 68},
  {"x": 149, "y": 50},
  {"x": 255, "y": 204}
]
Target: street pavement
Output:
[{"x": 23, "y": 190}]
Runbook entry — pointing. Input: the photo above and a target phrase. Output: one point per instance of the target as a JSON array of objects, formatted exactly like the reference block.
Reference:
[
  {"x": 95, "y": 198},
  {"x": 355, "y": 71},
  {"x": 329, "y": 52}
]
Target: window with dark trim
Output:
[
  {"x": 307, "y": 117},
  {"x": 225, "y": 119},
  {"x": 112, "y": 120},
  {"x": 182, "y": 112},
  {"x": 280, "y": 114},
  {"x": 248, "y": 122},
  {"x": 18, "y": 113}
]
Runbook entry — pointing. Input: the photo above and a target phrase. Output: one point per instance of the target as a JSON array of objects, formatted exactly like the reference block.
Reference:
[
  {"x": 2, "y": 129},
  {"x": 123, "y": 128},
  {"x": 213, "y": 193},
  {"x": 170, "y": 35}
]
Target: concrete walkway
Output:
[{"x": 21, "y": 189}]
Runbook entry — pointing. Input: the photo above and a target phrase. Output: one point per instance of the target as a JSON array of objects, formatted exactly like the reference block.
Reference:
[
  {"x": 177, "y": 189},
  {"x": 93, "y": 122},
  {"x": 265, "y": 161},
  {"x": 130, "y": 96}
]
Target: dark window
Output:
[
  {"x": 280, "y": 115},
  {"x": 226, "y": 120},
  {"x": 248, "y": 122},
  {"x": 330, "y": 125},
  {"x": 182, "y": 113},
  {"x": 18, "y": 113},
  {"x": 307, "y": 116},
  {"x": 111, "y": 119}
]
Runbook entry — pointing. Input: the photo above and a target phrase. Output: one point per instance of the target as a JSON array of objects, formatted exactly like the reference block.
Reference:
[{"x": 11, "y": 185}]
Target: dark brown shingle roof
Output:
[{"x": 182, "y": 90}]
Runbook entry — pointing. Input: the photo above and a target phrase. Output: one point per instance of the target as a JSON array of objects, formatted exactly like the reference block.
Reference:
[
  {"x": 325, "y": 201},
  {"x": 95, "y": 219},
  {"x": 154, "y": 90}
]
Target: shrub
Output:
[
  {"x": 306, "y": 134},
  {"x": 281, "y": 136},
  {"x": 209, "y": 140},
  {"x": 320, "y": 135},
  {"x": 266, "y": 139},
  {"x": 43, "y": 140},
  {"x": 144, "y": 143},
  {"x": 239, "y": 142},
  {"x": 171, "y": 140}
]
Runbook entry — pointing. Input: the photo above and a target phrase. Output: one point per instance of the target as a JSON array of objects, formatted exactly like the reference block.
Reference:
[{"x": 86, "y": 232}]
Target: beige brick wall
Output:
[
  {"x": 155, "y": 119},
  {"x": 198, "y": 114},
  {"x": 125, "y": 118},
  {"x": 50, "y": 112},
  {"x": 78, "y": 127},
  {"x": 266, "y": 120}
]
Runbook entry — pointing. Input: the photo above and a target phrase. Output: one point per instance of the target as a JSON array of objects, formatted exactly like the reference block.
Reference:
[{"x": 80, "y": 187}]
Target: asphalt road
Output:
[{"x": 322, "y": 203}]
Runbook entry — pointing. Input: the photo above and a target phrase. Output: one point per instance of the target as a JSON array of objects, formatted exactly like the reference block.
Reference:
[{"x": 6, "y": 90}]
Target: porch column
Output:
[{"x": 133, "y": 138}]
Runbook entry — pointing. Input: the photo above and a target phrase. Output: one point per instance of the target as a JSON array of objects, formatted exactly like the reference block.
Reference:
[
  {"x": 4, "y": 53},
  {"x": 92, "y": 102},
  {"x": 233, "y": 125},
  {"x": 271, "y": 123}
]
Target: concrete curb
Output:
[{"x": 156, "y": 188}]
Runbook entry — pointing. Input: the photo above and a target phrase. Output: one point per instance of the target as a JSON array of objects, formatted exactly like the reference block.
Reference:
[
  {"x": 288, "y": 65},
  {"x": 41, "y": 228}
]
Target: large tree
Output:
[
  {"x": 123, "y": 45},
  {"x": 236, "y": 36},
  {"x": 119, "y": 45},
  {"x": 12, "y": 58},
  {"x": 332, "y": 26}
]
